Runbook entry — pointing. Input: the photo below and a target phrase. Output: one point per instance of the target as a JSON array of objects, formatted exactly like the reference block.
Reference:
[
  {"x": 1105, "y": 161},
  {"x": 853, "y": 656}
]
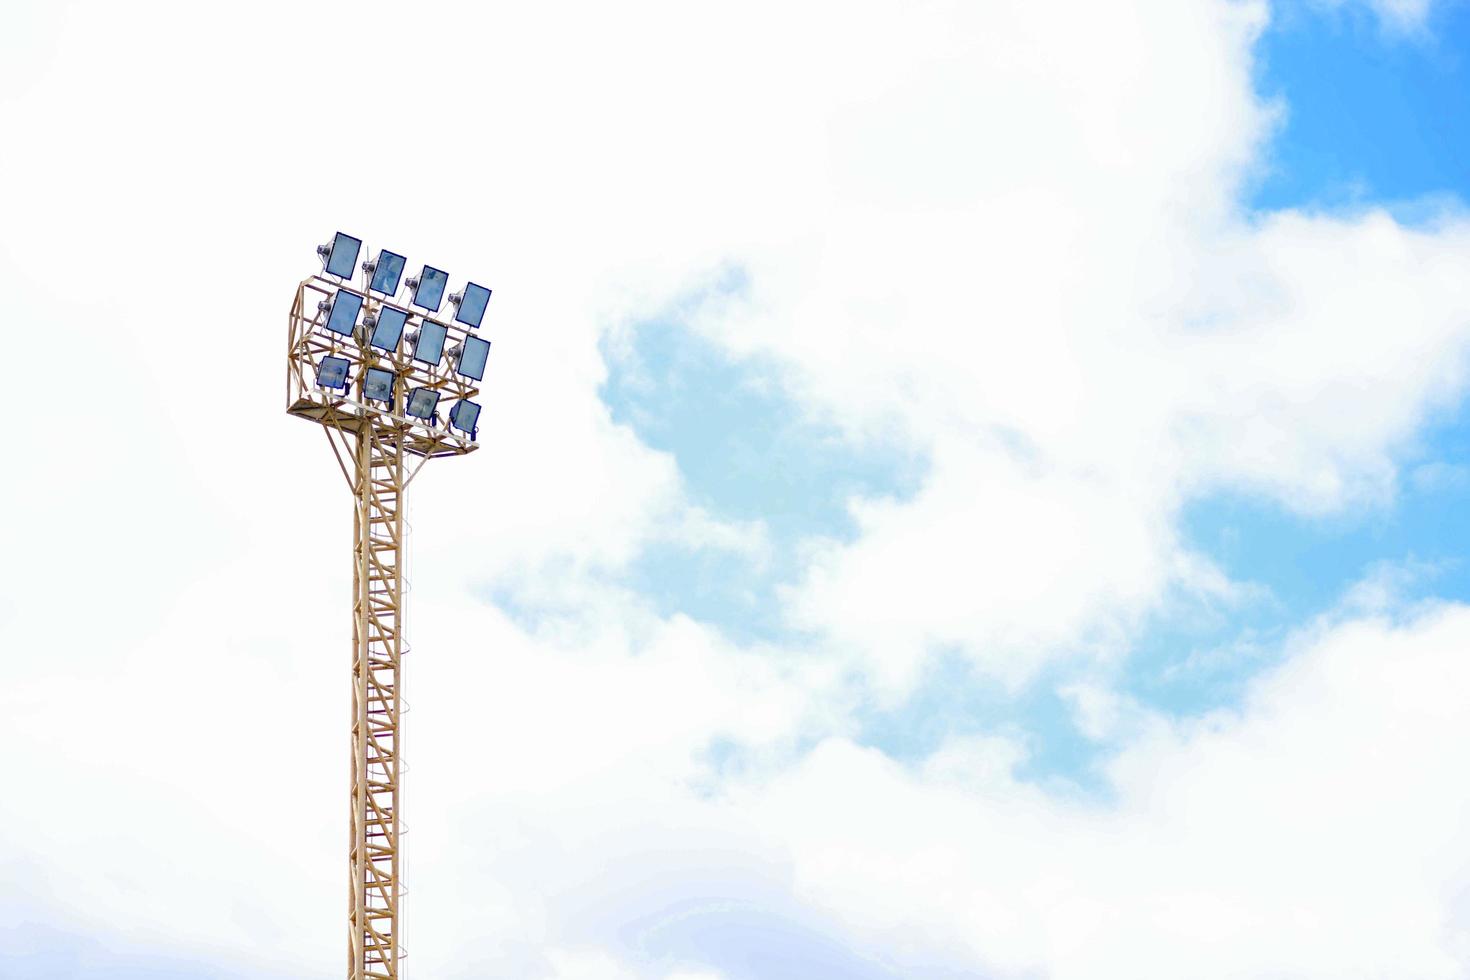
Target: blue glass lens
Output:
[
  {"x": 343, "y": 257},
  {"x": 431, "y": 342},
  {"x": 464, "y": 415},
  {"x": 421, "y": 402},
  {"x": 389, "y": 330},
  {"x": 430, "y": 294},
  {"x": 345, "y": 307},
  {"x": 378, "y": 385},
  {"x": 472, "y": 310},
  {"x": 388, "y": 272},
  {"x": 472, "y": 359},
  {"x": 332, "y": 373}
]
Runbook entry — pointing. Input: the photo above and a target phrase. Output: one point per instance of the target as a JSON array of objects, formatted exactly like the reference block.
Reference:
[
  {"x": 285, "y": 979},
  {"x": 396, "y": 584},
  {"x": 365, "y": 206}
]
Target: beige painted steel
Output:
[{"x": 373, "y": 444}]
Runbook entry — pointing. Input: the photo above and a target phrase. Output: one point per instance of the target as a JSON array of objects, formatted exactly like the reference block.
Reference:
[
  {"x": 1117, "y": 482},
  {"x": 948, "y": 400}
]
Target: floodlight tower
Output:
[{"x": 373, "y": 372}]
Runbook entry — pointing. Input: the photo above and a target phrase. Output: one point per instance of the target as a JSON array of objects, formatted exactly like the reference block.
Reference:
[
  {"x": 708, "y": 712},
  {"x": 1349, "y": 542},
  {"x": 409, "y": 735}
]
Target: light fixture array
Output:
[{"x": 372, "y": 320}]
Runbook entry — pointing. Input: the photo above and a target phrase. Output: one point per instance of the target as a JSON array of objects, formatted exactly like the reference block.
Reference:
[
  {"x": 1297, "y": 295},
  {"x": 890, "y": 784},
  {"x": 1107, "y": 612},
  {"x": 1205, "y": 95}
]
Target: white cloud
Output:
[
  {"x": 1082, "y": 329},
  {"x": 1006, "y": 234},
  {"x": 1314, "y": 833},
  {"x": 1397, "y": 15}
]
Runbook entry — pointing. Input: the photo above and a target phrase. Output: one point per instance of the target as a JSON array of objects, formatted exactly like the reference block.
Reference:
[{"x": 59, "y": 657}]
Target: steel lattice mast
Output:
[
  {"x": 377, "y": 647},
  {"x": 380, "y": 444}
]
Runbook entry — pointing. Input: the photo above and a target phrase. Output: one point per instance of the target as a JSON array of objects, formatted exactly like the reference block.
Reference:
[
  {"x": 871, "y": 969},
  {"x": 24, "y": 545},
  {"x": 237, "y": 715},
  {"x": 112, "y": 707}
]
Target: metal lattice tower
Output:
[{"x": 380, "y": 444}]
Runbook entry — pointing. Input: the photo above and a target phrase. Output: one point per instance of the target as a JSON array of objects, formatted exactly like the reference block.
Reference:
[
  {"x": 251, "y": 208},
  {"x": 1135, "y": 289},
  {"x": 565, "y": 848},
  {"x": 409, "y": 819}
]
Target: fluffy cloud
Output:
[
  {"x": 1298, "y": 366},
  {"x": 1013, "y": 246},
  {"x": 1314, "y": 832},
  {"x": 1074, "y": 319}
]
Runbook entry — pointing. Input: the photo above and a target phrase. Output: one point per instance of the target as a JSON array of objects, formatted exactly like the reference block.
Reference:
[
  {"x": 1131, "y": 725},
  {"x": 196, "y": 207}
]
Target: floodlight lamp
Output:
[
  {"x": 386, "y": 270},
  {"x": 388, "y": 330},
  {"x": 421, "y": 403},
  {"x": 332, "y": 372},
  {"x": 428, "y": 342},
  {"x": 428, "y": 288},
  {"x": 473, "y": 354},
  {"x": 345, "y": 306},
  {"x": 470, "y": 304},
  {"x": 377, "y": 385},
  {"x": 465, "y": 416},
  {"x": 341, "y": 255}
]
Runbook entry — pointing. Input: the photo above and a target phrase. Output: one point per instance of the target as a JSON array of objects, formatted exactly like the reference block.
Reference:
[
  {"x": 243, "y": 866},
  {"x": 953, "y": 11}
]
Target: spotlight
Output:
[
  {"x": 428, "y": 342},
  {"x": 471, "y": 304},
  {"x": 428, "y": 288},
  {"x": 389, "y": 328},
  {"x": 332, "y": 372},
  {"x": 345, "y": 307},
  {"x": 472, "y": 356},
  {"x": 464, "y": 416},
  {"x": 386, "y": 270},
  {"x": 377, "y": 385},
  {"x": 341, "y": 255},
  {"x": 421, "y": 403}
]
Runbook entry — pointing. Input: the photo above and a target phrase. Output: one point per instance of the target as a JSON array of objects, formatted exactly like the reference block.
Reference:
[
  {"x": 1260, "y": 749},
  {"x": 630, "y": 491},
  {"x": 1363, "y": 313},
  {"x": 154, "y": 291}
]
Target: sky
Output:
[{"x": 966, "y": 490}]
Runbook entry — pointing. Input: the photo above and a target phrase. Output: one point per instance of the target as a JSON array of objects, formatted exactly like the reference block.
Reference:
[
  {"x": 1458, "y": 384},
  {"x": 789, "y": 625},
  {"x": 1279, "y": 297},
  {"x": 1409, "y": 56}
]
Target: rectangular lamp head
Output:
[
  {"x": 343, "y": 257},
  {"x": 430, "y": 346},
  {"x": 430, "y": 291},
  {"x": 377, "y": 385},
  {"x": 421, "y": 403},
  {"x": 332, "y": 372},
  {"x": 472, "y": 306},
  {"x": 387, "y": 273},
  {"x": 389, "y": 330},
  {"x": 464, "y": 416},
  {"x": 345, "y": 307},
  {"x": 472, "y": 358}
]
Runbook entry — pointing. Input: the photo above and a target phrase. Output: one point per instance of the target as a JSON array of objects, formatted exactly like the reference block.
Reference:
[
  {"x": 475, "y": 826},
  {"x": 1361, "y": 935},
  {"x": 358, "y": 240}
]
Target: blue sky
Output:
[
  {"x": 747, "y": 453},
  {"x": 1372, "y": 116}
]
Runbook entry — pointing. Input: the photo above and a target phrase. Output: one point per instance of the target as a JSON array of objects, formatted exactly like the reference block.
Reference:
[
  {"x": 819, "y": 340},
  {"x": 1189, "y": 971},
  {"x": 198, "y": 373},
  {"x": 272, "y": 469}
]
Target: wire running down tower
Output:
[{"x": 374, "y": 372}]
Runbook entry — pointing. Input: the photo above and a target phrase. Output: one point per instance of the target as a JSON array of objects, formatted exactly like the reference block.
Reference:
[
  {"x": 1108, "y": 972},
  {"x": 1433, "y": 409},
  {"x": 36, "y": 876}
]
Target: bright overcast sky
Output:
[{"x": 968, "y": 490}]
